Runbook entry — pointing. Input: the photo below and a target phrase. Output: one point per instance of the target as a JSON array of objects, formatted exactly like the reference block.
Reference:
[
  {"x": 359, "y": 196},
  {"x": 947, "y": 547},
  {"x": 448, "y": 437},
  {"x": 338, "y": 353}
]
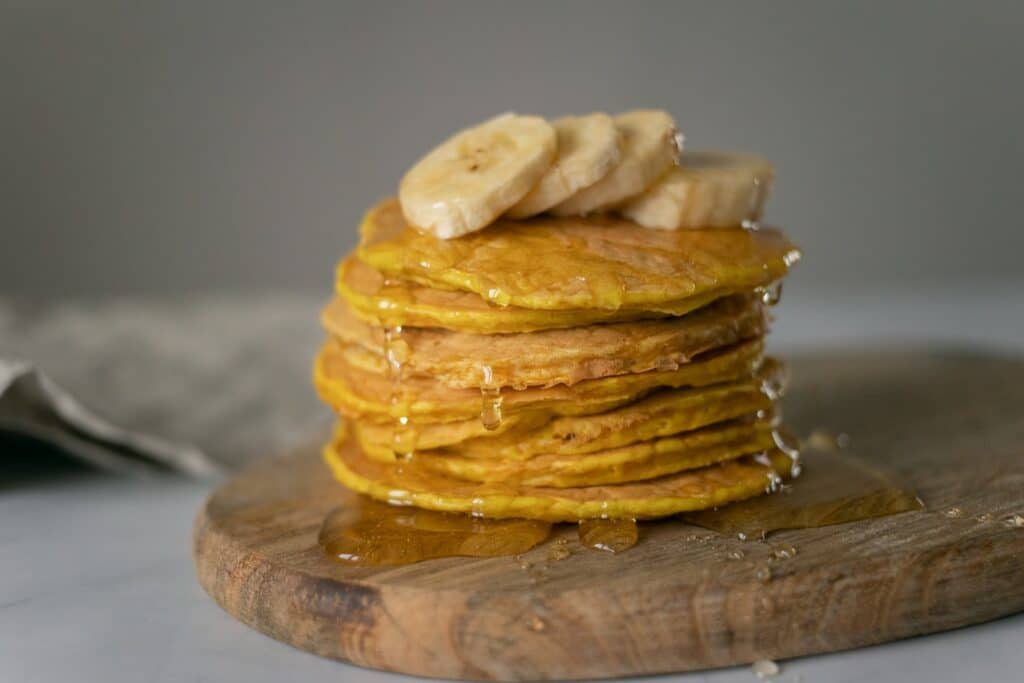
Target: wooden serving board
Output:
[{"x": 950, "y": 423}]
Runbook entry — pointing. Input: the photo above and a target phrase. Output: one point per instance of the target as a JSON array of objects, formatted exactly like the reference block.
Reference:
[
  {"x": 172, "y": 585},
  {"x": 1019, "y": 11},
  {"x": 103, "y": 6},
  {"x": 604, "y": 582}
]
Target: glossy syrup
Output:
[
  {"x": 367, "y": 533},
  {"x": 773, "y": 379},
  {"x": 395, "y": 353},
  {"x": 771, "y": 294},
  {"x": 490, "y": 400},
  {"x": 610, "y": 535},
  {"x": 835, "y": 488}
]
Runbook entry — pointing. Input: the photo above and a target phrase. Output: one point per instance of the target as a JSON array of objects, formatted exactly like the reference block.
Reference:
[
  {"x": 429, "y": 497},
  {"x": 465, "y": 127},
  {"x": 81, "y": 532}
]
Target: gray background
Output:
[{"x": 174, "y": 149}]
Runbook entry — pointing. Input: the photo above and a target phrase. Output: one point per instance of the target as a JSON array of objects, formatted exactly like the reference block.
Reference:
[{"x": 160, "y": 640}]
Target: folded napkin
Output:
[{"x": 201, "y": 386}]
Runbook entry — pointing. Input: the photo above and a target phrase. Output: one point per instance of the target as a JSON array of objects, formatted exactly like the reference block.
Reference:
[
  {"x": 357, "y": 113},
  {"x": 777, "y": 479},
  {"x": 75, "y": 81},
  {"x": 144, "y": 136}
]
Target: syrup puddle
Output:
[
  {"x": 611, "y": 535},
  {"x": 835, "y": 488},
  {"x": 370, "y": 534}
]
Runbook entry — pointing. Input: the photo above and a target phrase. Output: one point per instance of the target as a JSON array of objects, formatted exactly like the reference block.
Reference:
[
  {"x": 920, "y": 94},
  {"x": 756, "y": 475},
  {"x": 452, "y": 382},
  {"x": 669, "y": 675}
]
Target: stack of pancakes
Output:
[{"x": 556, "y": 368}]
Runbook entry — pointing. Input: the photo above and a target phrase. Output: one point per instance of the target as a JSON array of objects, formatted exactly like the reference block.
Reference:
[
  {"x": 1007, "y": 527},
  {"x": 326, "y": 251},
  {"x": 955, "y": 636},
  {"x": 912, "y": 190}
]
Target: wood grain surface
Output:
[{"x": 951, "y": 423}]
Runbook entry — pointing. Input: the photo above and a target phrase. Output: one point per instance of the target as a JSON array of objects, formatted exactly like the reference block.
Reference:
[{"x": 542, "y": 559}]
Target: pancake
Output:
[
  {"x": 596, "y": 262},
  {"x": 634, "y": 462},
  {"x": 409, "y": 484},
  {"x": 520, "y": 437},
  {"x": 343, "y": 380},
  {"x": 555, "y": 368},
  {"x": 390, "y": 302},
  {"x": 663, "y": 413},
  {"x": 559, "y": 356},
  {"x": 426, "y": 436}
]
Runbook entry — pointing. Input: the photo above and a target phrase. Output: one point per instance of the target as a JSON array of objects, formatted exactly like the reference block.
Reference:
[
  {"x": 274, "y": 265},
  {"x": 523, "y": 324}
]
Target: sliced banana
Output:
[
  {"x": 588, "y": 148},
  {"x": 649, "y": 149},
  {"x": 476, "y": 175},
  {"x": 707, "y": 190}
]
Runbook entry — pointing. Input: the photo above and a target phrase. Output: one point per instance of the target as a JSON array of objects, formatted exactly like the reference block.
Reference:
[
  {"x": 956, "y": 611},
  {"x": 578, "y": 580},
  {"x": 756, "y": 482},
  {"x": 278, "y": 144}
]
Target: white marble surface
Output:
[{"x": 96, "y": 582}]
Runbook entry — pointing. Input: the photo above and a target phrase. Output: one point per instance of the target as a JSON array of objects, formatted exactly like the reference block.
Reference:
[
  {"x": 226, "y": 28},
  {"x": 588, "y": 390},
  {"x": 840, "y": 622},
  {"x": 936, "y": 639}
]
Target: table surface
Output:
[{"x": 96, "y": 579}]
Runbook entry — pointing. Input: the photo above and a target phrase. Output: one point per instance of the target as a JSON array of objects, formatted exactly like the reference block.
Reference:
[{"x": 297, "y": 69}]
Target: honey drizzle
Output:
[
  {"x": 403, "y": 437},
  {"x": 770, "y": 294},
  {"x": 774, "y": 479},
  {"x": 773, "y": 383},
  {"x": 490, "y": 400},
  {"x": 789, "y": 445}
]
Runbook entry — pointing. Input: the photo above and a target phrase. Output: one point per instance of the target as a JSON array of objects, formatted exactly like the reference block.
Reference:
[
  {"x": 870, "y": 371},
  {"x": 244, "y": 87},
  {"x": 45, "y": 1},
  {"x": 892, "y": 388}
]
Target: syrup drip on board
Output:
[
  {"x": 368, "y": 533},
  {"x": 611, "y": 535}
]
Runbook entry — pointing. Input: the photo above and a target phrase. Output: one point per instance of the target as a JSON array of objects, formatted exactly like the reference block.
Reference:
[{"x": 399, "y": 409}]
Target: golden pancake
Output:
[
  {"x": 395, "y": 302},
  {"x": 429, "y": 435},
  {"x": 559, "y": 356},
  {"x": 343, "y": 381},
  {"x": 597, "y": 262},
  {"x": 519, "y": 437},
  {"x": 634, "y": 462},
  {"x": 409, "y": 484},
  {"x": 663, "y": 413}
]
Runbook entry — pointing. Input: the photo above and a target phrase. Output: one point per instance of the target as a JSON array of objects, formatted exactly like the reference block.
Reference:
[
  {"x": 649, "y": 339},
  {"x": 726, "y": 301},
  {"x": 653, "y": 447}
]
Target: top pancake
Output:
[
  {"x": 597, "y": 262},
  {"x": 394, "y": 302}
]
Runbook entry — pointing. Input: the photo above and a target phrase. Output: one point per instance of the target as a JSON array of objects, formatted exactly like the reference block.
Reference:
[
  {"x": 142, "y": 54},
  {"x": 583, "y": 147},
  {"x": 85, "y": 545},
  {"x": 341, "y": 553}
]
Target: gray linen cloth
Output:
[{"x": 202, "y": 385}]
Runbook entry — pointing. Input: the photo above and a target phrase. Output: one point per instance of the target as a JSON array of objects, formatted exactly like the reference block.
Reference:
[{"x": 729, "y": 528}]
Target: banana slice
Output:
[
  {"x": 588, "y": 148},
  {"x": 707, "y": 190},
  {"x": 649, "y": 149},
  {"x": 476, "y": 175}
]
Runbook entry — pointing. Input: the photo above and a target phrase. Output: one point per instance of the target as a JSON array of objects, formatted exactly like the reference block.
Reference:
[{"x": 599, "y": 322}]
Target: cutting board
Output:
[{"x": 948, "y": 422}]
